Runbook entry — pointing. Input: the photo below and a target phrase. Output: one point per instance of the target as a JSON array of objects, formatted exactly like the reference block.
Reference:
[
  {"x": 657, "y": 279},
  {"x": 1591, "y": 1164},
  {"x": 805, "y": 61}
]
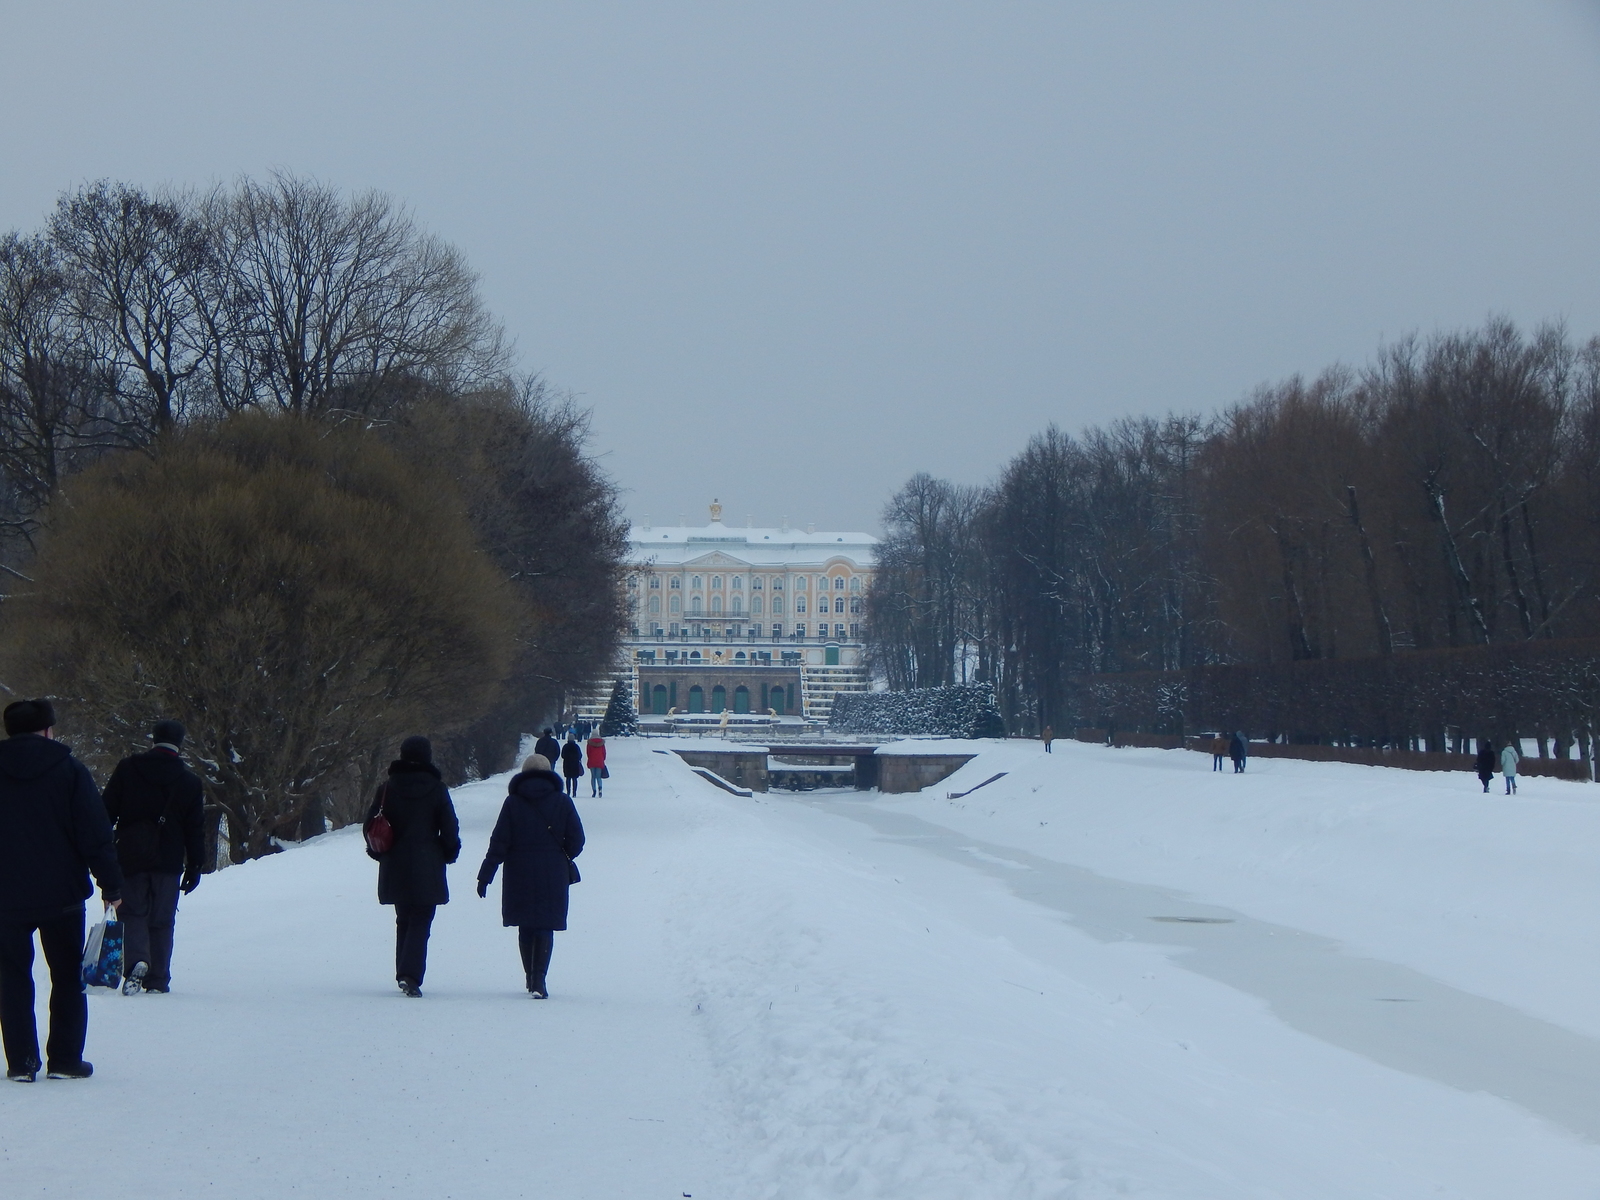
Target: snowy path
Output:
[{"x": 892, "y": 997}]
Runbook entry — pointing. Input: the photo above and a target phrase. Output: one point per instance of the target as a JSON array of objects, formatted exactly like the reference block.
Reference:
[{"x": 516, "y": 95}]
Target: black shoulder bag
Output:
[{"x": 572, "y": 867}]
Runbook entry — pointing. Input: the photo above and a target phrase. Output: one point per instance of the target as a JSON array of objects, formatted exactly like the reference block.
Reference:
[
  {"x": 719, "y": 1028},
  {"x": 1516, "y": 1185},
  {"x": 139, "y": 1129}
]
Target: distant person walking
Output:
[
  {"x": 1219, "y": 751},
  {"x": 572, "y": 764},
  {"x": 427, "y": 838},
  {"x": 53, "y": 833},
  {"x": 1236, "y": 751},
  {"x": 595, "y": 756},
  {"x": 1488, "y": 762},
  {"x": 536, "y": 838},
  {"x": 157, "y": 807},
  {"x": 548, "y": 746},
  {"x": 1048, "y": 736},
  {"x": 1509, "y": 758}
]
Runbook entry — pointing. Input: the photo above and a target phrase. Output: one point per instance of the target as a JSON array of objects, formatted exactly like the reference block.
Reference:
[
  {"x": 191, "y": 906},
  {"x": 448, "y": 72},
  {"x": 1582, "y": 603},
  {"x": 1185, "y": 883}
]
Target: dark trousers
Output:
[
  {"x": 572, "y": 785},
  {"x": 62, "y": 939},
  {"x": 1238, "y": 765},
  {"x": 536, "y": 946},
  {"x": 412, "y": 924},
  {"x": 149, "y": 911},
  {"x": 1216, "y": 762}
]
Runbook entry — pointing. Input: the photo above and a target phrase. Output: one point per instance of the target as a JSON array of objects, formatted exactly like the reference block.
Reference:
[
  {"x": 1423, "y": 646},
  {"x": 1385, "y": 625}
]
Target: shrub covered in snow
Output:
[{"x": 961, "y": 710}]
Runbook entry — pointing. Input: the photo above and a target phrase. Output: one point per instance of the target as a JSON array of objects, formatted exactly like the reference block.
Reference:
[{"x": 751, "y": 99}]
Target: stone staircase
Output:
[{"x": 820, "y": 685}]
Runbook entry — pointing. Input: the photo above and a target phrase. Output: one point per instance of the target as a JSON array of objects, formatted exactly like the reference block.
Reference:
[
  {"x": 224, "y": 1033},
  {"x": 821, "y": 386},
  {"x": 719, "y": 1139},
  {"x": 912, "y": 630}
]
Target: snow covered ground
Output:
[{"x": 1111, "y": 973}]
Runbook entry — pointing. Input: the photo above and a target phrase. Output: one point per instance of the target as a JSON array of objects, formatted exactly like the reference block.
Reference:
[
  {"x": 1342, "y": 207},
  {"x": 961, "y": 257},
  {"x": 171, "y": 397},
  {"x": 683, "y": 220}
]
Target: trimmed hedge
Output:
[{"x": 960, "y": 710}]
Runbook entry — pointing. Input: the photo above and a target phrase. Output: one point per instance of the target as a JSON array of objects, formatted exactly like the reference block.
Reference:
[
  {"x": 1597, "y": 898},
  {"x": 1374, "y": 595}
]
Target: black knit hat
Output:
[
  {"x": 28, "y": 716},
  {"x": 416, "y": 749},
  {"x": 168, "y": 733}
]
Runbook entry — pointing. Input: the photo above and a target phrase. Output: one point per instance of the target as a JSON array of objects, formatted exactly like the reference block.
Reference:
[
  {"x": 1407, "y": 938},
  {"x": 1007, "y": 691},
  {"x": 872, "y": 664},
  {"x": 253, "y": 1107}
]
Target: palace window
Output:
[
  {"x": 716, "y": 581},
  {"x": 800, "y": 629},
  {"x": 838, "y": 604},
  {"x": 777, "y": 630},
  {"x": 677, "y": 604},
  {"x": 655, "y": 582},
  {"x": 800, "y": 582},
  {"x": 676, "y": 582},
  {"x": 777, "y": 605},
  {"x": 855, "y": 631},
  {"x": 755, "y": 605},
  {"x": 799, "y": 604},
  {"x": 633, "y": 583},
  {"x": 696, "y": 583},
  {"x": 696, "y": 607},
  {"x": 716, "y": 605},
  {"x": 855, "y": 605},
  {"x": 838, "y": 631},
  {"x": 777, "y": 583},
  {"x": 855, "y": 583},
  {"x": 738, "y": 605},
  {"x": 655, "y": 604},
  {"x": 838, "y": 583},
  {"x": 738, "y": 583},
  {"x": 755, "y": 583}
]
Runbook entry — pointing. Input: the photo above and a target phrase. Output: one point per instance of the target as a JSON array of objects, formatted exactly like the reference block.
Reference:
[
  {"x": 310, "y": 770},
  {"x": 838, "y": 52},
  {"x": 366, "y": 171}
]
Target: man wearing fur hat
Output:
[
  {"x": 157, "y": 806},
  {"x": 53, "y": 833}
]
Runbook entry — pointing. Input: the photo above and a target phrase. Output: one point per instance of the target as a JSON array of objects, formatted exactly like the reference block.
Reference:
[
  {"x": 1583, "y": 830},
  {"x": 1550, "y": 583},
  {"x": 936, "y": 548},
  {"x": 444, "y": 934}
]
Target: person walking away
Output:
[
  {"x": 1509, "y": 757},
  {"x": 1219, "y": 751},
  {"x": 157, "y": 809},
  {"x": 536, "y": 837},
  {"x": 1048, "y": 736},
  {"x": 595, "y": 756},
  {"x": 1488, "y": 761},
  {"x": 572, "y": 764},
  {"x": 1236, "y": 751},
  {"x": 548, "y": 746},
  {"x": 427, "y": 838},
  {"x": 53, "y": 833}
]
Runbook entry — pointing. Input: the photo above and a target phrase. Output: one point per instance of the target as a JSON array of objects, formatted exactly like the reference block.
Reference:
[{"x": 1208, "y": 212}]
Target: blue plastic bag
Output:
[{"x": 102, "y": 954}]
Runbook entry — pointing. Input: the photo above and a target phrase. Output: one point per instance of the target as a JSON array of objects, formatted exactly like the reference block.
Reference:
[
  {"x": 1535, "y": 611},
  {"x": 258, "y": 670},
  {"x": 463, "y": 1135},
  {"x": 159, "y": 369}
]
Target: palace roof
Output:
[{"x": 679, "y": 545}]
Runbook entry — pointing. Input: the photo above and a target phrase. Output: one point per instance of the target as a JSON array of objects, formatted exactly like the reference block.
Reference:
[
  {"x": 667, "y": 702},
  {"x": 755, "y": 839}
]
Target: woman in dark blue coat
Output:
[
  {"x": 427, "y": 838},
  {"x": 537, "y": 837}
]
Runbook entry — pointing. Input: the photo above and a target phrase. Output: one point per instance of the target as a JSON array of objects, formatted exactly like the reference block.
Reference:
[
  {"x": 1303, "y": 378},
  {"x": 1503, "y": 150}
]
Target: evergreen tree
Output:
[{"x": 621, "y": 719}]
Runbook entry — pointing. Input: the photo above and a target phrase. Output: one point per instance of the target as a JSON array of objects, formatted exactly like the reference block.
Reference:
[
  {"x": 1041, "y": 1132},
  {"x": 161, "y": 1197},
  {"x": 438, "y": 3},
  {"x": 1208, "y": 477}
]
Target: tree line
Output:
[
  {"x": 265, "y": 467},
  {"x": 1447, "y": 494}
]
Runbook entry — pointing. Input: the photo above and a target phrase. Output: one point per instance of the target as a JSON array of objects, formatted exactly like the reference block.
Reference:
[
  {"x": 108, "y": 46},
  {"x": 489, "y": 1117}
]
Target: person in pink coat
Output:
[{"x": 596, "y": 748}]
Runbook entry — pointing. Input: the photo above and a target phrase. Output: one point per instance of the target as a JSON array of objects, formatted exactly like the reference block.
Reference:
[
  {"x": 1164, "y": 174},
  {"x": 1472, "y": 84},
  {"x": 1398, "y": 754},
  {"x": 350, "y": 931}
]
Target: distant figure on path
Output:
[
  {"x": 548, "y": 746},
  {"x": 157, "y": 807},
  {"x": 595, "y": 756},
  {"x": 1236, "y": 751},
  {"x": 1219, "y": 751},
  {"x": 572, "y": 764},
  {"x": 53, "y": 832},
  {"x": 1048, "y": 736},
  {"x": 1488, "y": 762},
  {"x": 1509, "y": 757},
  {"x": 537, "y": 837},
  {"x": 427, "y": 838}
]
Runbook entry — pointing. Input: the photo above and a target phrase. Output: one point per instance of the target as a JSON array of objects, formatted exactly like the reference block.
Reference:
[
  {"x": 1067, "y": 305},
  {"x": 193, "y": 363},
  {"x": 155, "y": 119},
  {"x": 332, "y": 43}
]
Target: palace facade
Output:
[{"x": 746, "y": 620}]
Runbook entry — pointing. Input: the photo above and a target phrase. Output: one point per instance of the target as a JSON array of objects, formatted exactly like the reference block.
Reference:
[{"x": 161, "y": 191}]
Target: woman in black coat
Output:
[
  {"x": 572, "y": 764},
  {"x": 537, "y": 837},
  {"x": 427, "y": 837}
]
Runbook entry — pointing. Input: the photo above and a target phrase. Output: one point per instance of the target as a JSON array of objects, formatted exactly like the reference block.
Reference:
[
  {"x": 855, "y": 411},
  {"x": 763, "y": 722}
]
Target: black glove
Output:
[
  {"x": 483, "y": 887},
  {"x": 191, "y": 880}
]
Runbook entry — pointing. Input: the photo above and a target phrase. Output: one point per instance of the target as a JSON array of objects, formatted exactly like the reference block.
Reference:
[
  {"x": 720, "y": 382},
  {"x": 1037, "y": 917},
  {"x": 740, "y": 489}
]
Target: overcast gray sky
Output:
[{"x": 791, "y": 254}]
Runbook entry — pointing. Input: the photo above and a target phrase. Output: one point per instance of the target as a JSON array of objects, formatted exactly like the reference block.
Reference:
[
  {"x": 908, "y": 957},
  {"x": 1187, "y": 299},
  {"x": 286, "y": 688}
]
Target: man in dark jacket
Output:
[
  {"x": 1487, "y": 762},
  {"x": 157, "y": 806},
  {"x": 1236, "y": 751},
  {"x": 53, "y": 832},
  {"x": 427, "y": 838},
  {"x": 548, "y": 746}
]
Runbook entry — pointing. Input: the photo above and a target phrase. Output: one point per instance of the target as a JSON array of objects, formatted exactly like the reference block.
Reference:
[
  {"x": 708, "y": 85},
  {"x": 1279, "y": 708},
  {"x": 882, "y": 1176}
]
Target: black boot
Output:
[{"x": 543, "y": 943}]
